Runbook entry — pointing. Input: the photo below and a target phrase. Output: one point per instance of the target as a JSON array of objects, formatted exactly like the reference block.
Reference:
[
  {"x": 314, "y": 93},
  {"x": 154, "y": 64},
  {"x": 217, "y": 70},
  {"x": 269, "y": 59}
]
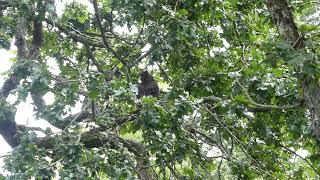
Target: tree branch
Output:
[
  {"x": 283, "y": 19},
  {"x": 104, "y": 38},
  {"x": 76, "y": 37},
  {"x": 305, "y": 160}
]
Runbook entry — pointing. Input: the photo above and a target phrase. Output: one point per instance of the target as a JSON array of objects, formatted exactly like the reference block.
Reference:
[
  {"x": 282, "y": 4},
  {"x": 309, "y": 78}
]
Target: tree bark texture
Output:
[{"x": 282, "y": 17}]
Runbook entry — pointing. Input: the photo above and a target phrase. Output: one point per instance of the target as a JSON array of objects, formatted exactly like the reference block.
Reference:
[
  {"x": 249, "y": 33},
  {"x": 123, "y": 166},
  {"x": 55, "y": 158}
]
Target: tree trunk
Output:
[{"x": 283, "y": 19}]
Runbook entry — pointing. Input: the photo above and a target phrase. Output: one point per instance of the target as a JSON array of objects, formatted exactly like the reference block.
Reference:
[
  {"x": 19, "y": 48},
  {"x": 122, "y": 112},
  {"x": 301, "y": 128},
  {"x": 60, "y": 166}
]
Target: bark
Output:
[
  {"x": 8, "y": 126},
  {"x": 8, "y": 85},
  {"x": 96, "y": 138},
  {"x": 283, "y": 19},
  {"x": 9, "y": 132},
  {"x": 92, "y": 139}
]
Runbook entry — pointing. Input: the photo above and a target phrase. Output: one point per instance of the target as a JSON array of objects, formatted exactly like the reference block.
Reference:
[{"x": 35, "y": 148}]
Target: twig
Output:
[
  {"x": 104, "y": 38},
  {"x": 241, "y": 144},
  {"x": 305, "y": 160},
  {"x": 264, "y": 106}
]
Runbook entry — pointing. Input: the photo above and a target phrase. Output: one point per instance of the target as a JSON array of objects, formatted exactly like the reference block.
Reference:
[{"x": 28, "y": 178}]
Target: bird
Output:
[{"x": 148, "y": 86}]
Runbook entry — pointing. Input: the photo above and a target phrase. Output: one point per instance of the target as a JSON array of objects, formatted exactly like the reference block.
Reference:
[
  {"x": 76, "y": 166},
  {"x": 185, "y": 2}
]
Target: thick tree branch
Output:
[
  {"x": 9, "y": 132},
  {"x": 20, "y": 38},
  {"x": 283, "y": 19},
  {"x": 254, "y": 106},
  {"x": 96, "y": 138},
  {"x": 76, "y": 37},
  {"x": 103, "y": 34},
  {"x": 8, "y": 86},
  {"x": 37, "y": 38},
  {"x": 8, "y": 126}
]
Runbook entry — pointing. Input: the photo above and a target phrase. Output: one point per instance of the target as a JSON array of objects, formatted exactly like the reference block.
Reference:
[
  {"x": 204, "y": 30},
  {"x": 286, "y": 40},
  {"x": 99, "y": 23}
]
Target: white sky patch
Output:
[
  {"x": 49, "y": 98},
  {"x": 123, "y": 30},
  {"x": 303, "y": 153},
  {"x": 143, "y": 63},
  {"x": 225, "y": 43},
  {"x": 24, "y": 112},
  {"x": 146, "y": 48},
  {"x": 53, "y": 66},
  {"x": 5, "y": 148},
  {"x": 216, "y": 28},
  {"x": 25, "y": 116},
  {"x": 76, "y": 108},
  {"x": 60, "y": 5}
]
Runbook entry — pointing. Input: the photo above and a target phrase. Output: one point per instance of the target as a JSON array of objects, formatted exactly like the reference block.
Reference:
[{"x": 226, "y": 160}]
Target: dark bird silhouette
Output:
[{"x": 148, "y": 86}]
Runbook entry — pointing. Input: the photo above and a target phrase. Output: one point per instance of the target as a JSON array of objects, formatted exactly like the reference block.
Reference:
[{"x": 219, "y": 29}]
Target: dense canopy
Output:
[{"x": 239, "y": 89}]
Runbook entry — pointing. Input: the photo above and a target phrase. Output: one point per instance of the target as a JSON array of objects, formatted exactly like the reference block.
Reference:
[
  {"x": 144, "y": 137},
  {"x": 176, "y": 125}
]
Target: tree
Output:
[{"x": 242, "y": 98}]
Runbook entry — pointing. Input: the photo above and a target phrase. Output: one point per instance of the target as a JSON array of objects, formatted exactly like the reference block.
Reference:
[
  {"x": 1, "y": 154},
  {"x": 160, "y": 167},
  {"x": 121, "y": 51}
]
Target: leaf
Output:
[
  {"x": 74, "y": 87},
  {"x": 284, "y": 45},
  {"x": 298, "y": 60},
  {"x": 93, "y": 94},
  {"x": 183, "y": 12},
  {"x": 241, "y": 98}
]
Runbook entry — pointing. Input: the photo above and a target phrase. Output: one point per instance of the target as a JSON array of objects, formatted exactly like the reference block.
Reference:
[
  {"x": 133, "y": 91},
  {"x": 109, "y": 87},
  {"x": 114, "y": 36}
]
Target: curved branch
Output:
[
  {"x": 103, "y": 34},
  {"x": 258, "y": 107},
  {"x": 8, "y": 86},
  {"x": 305, "y": 160},
  {"x": 8, "y": 126},
  {"x": 283, "y": 19},
  {"x": 96, "y": 138},
  {"x": 76, "y": 37},
  {"x": 264, "y": 107}
]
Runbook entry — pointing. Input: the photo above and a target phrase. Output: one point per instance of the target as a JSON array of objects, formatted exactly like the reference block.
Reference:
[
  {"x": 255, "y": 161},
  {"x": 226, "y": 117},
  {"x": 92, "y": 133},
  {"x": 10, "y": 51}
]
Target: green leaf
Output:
[{"x": 74, "y": 87}]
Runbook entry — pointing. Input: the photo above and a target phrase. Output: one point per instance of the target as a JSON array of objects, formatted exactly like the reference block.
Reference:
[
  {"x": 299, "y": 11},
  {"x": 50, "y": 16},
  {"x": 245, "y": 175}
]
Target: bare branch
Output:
[
  {"x": 76, "y": 37},
  {"x": 103, "y": 34},
  {"x": 305, "y": 160},
  {"x": 263, "y": 107}
]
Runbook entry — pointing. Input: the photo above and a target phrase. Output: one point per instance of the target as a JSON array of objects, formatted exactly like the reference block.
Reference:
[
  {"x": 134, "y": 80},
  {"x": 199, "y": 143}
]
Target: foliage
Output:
[{"x": 226, "y": 78}]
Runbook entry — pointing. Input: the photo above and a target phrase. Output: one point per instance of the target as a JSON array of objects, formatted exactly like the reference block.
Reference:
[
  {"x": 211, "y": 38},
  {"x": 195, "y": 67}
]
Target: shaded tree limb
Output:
[
  {"x": 304, "y": 159},
  {"x": 11, "y": 83},
  {"x": 264, "y": 107},
  {"x": 257, "y": 107},
  {"x": 4, "y": 3},
  {"x": 104, "y": 38},
  {"x": 8, "y": 126},
  {"x": 76, "y": 37},
  {"x": 96, "y": 138},
  {"x": 283, "y": 19}
]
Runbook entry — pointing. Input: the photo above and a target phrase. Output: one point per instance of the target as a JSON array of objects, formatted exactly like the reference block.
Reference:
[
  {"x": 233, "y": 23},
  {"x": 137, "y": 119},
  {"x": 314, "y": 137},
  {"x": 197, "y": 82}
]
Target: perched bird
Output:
[{"x": 148, "y": 86}]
